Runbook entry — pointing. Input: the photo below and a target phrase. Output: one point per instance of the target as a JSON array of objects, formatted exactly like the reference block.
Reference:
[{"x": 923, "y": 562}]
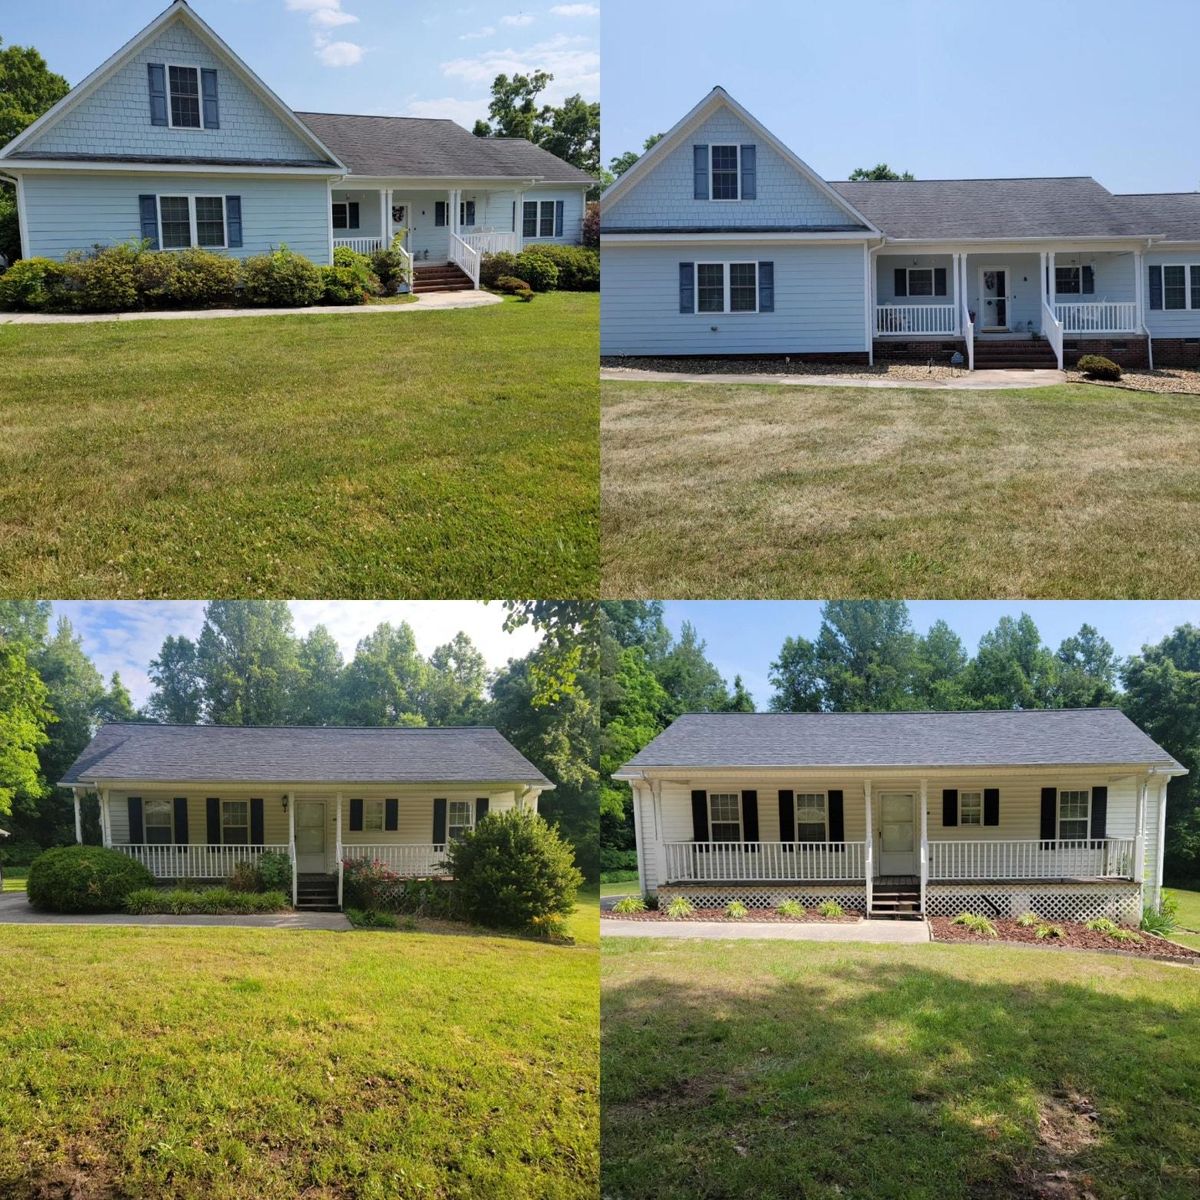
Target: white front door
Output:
[
  {"x": 897, "y": 834},
  {"x": 310, "y": 837},
  {"x": 994, "y": 297}
]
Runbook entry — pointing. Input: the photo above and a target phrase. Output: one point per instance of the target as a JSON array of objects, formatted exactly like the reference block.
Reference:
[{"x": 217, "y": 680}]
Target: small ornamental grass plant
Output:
[
  {"x": 1028, "y": 920},
  {"x": 830, "y": 908},
  {"x": 735, "y": 910},
  {"x": 216, "y": 901},
  {"x": 975, "y": 923},
  {"x": 1125, "y": 935},
  {"x": 790, "y": 908},
  {"x": 630, "y": 904},
  {"x": 1161, "y": 919},
  {"x": 1043, "y": 932},
  {"x": 1102, "y": 925},
  {"x": 679, "y": 906}
]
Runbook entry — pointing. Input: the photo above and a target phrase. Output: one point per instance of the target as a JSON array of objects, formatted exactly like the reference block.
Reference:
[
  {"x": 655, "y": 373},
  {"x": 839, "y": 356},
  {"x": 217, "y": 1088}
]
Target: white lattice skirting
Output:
[
  {"x": 1056, "y": 902},
  {"x": 764, "y": 895}
]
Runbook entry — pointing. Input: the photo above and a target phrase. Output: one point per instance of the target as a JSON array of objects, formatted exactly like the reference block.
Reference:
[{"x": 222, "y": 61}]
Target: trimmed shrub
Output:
[
  {"x": 493, "y": 266},
  {"x": 591, "y": 224},
  {"x": 101, "y": 281},
  {"x": 1096, "y": 366},
  {"x": 540, "y": 272},
  {"x": 282, "y": 279},
  {"x": 514, "y": 871},
  {"x": 215, "y": 902},
  {"x": 341, "y": 285},
  {"x": 630, "y": 904},
  {"x": 514, "y": 287},
  {"x": 390, "y": 268},
  {"x": 245, "y": 878},
  {"x": 203, "y": 279},
  {"x": 83, "y": 879},
  {"x": 31, "y": 285},
  {"x": 578, "y": 266},
  {"x": 275, "y": 871}
]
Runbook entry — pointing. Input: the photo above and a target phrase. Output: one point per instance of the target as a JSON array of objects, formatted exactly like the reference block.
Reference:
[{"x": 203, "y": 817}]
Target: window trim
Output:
[
  {"x": 1086, "y": 792},
  {"x": 199, "y": 95},
  {"x": 962, "y": 808},
  {"x": 1188, "y": 269},
  {"x": 247, "y": 826},
  {"x": 712, "y": 196},
  {"x": 796, "y": 812},
  {"x": 470, "y": 824},
  {"x": 741, "y": 824},
  {"x": 191, "y": 198},
  {"x": 727, "y": 287}
]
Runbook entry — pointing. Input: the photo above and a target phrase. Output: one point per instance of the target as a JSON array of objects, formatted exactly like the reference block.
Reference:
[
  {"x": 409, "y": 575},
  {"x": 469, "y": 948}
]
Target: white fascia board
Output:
[
  {"x": 24, "y": 166},
  {"x": 284, "y": 785},
  {"x": 441, "y": 182},
  {"x": 1109, "y": 770},
  {"x": 715, "y": 99},
  {"x": 666, "y": 239},
  {"x": 1014, "y": 245}
]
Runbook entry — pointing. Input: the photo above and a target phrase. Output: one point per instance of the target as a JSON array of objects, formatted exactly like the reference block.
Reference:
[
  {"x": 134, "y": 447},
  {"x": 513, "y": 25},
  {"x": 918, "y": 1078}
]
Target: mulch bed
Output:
[
  {"x": 1077, "y": 938},
  {"x": 755, "y": 916},
  {"x": 1177, "y": 380}
]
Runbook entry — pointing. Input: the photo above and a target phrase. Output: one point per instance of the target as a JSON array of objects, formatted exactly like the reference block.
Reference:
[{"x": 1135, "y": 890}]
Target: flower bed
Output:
[
  {"x": 755, "y": 915},
  {"x": 1075, "y": 937}
]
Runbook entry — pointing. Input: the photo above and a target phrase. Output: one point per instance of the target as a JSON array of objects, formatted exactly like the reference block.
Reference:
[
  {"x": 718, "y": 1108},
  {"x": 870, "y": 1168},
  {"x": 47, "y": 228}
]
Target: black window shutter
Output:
[
  {"x": 991, "y": 806},
  {"x": 559, "y": 208},
  {"x": 256, "y": 822},
  {"x": 148, "y": 211},
  {"x": 901, "y": 284},
  {"x": 1049, "y": 814},
  {"x": 1099, "y": 813},
  {"x": 837, "y": 817},
  {"x": 529, "y": 219},
  {"x": 939, "y": 281},
  {"x": 1088, "y": 281},
  {"x": 439, "y": 822},
  {"x": 687, "y": 287},
  {"x": 157, "y": 73},
  {"x": 787, "y": 815},
  {"x": 439, "y": 212},
  {"x": 749, "y": 816},
  {"x": 766, "y": 287},
  {"x": 949, "y": 806},
  {"x": 1194, "y": 275},
  {"x": 481, "y": 808},
  {"x": 233, "y": 221},
  {"x": 391, "y": 815},
  {"x": 181, "y": 821},
  {"x": 1156, "y": 299},
  {"x": 212, "y": 813},
  {"x": 352, "y": 215},
  {"x": 137, "y": 827},
  {"x": 749, "y": 173},
  {"x": 699, "y": 172},
  {"x": 356, "y": 815},
  {"x": 699, "y": 816},
  {"x": 470, "y": 213},
  {"x": 208, "y": 88}
]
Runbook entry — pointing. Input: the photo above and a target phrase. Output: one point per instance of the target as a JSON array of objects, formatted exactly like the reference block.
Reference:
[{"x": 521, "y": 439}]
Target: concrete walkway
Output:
[
  {"x": 887, "y": 932},
  {"x": 429, "y": 302},
  {"x": 968, "y": 381},
  {"x": 15, "y": 910}
]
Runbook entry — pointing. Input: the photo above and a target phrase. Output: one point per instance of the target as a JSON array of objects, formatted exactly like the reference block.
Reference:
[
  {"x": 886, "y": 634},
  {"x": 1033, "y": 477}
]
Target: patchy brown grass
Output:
[{"x": 748, "y": 490}]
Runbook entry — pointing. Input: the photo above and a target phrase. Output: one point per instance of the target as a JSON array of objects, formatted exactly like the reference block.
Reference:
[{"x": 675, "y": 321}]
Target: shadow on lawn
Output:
[{"x": 888, "y": 1080}]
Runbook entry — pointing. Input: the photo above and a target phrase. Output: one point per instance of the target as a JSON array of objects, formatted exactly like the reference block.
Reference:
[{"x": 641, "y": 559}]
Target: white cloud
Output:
[
  {"x": 340, "y": 54},
  {"x": 486, "y": 32},
  {"x": 575, "y": 10},
  {"x": 465, "y": 112},
  {"x": 330, "y": 18},
  {"x": 573, "y": 61},
  {"x": 517, "y": 19}
]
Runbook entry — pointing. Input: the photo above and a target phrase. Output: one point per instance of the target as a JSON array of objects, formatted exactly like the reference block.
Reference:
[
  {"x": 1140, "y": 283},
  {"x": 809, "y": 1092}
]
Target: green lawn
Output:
[
  {"x": 270, "y": 1064},
  {"x": 619, "y": 889},
  {"x": 749, "y": 491},
  {"x": 1188, "y": 929},
  {"x": 14, "y": 879},
  {"x": 781, "y": 1069},
  {"x": 423, "y": 454}
]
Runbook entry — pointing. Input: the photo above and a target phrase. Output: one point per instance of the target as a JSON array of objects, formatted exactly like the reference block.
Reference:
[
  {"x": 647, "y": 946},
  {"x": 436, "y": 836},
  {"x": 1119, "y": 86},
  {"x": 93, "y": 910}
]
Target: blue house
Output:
[
  {"x": 721, "y": 241},
  {"x": 175, "y": 140}
]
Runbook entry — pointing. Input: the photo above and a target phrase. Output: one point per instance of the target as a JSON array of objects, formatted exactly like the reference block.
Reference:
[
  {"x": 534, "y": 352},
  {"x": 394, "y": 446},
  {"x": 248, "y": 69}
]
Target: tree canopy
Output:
[{"x": 881, "y": 172}]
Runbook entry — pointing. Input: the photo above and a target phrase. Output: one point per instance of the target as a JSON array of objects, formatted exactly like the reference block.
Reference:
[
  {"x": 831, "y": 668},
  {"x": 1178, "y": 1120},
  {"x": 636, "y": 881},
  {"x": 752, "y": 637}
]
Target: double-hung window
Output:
[
  {"x": 158, "y": 822},
  {"x": 1175, "y": 286},
  {"x": 725, "y": 173},
  {"x": 466, "y": 212},
  {"x": 920, "y": 281},
  {"x": 184, "y": 85},
  {"x": 727, "y": 287},
  {"x": 373, "y": 816},
  {"x": 187, "y": 221},
  {"x": 460, "y": 819},
  {"x": 175, "y": 220},
  {"x": 810, "y": 817},
  {"x": 1074, "y": 281},
  {"x": 970, "y": 808},
  {"x": 1074, "y": 810},
  {"x": 235, "y": 822},
  {"x": 345, "y": 214},
  {"x": 537, "y": 218},
  {"x": 724, "y": 816}
]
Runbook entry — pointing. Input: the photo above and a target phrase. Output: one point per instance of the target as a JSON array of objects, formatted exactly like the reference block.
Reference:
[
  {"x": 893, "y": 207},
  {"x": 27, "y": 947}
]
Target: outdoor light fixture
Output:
[{"x": 285, "y": 803}]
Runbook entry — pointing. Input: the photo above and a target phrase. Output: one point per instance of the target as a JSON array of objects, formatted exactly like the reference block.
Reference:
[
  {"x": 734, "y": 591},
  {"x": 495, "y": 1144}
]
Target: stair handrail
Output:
[
  {"x": 968, "y": 334},
  {"x": 466, "y": 258},
  {"x": 1052, "y": 328}
]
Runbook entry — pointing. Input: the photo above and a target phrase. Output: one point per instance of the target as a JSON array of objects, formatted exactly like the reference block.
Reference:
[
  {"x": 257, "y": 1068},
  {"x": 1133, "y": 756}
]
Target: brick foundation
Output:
[
  {"x": 1124, "y": 351},
  {"x": 1176, "y": 352},
  {"x": 920, "y": 352}
]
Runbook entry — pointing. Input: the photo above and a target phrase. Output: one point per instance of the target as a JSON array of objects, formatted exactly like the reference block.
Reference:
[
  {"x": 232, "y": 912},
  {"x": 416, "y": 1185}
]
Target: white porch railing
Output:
[
  {"x": 414, "y": 861},
  {"x": 1105, "y": 858},
  {"x": 1098, "y": 316},
  {"x": 194, "y": 862},
  {"x": 729, "y": 862},
  {"x": 363, "y": 245},
  {"x": 488, "y": 241},
  {"x": 1053, "y": 331},
  {"x": 915, "y": 318},
  {"x": 466, "y": 257}
]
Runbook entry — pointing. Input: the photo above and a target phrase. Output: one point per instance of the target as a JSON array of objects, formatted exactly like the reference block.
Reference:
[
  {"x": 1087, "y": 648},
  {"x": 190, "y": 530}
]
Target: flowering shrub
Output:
[{"x": 374, "y": 887}]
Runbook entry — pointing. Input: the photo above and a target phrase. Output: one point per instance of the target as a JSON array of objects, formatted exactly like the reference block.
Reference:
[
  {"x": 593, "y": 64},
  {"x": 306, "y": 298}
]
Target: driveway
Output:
[
  {"x": 884, "y": 932},
  {"x": 15, "y": 910}
]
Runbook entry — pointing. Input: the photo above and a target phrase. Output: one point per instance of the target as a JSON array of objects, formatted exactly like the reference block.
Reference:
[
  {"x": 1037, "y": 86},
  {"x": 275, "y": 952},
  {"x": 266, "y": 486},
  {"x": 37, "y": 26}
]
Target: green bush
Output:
[
  {"x": 82, "y": 879},
  {"x": 540, "y": 272},
  {"x": 213, "y": 901},
  {"x": 282, "y": 279},
  {"x": 514, "y": 287},
  {"x": 10, "y": 227},
  {"x": 203, "y": 279},
  {"x": 374, "y": 887},
  {"x": 102, "y": 280},
  {"x": 578, "y": 266},
  {"x": 618, "y": 877},
  {"x": 1028, "y": 920},
  {"x": 1096, "y": 366},
  {"x": 493, "y": 266},
  {"x": 245, "y": 878},
  {"x": 1102, "y": 925},
  {"x": 1162, "y": 919},
  {"x": 390, "y": 267},
  {"x": 18, "y": 852},
  {"x": 275, "y": 871},
  {"x": 1125, "y": 935},
  {"x": 31, "y": 285},
  {"x": 341, "y": 285},
  {"x": 630, "y": 904},
  {"x": 831, "y": 908},
  {"x": 359, "y": 265},
  {"x": 612, "y": 859},
  {"x": 514, "y": 871},
  {"x": 1049, "y": 931}
]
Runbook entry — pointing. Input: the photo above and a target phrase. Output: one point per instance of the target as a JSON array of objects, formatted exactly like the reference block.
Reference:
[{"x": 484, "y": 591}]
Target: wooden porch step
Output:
[{"x": 441, "y": 278}]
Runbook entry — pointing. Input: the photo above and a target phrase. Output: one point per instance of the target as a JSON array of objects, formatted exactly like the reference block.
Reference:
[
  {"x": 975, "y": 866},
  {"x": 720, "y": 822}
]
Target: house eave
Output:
[
  {"x": 667, "y": 239},
  {"x": 784, "y": 770},
  {"x": 128, "y": 166},
  {"x": 100, "y": 782}
]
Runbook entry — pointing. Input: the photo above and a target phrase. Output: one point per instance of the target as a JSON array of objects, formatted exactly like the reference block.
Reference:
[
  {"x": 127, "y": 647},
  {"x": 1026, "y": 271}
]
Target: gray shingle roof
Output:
[
  {"x": 239, "y": 754},
  {"x": 1100, "y": 736},
  {"x": 424, "y": 147},
  {"x": 1176, "y": 214}
]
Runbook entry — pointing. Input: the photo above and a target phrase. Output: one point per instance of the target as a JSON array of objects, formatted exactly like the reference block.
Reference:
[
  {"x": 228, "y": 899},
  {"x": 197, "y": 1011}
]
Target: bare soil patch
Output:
[{"x": 1075, "y": 937}]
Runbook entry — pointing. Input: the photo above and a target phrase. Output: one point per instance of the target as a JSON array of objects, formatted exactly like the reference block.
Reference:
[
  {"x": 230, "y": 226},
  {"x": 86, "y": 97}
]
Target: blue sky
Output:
[
  {"x": 744, "y": 636},
  {"x": 943, "y": 88},
  {"x": 125, "y": 635},
  {"x": 424, "y": 59}
]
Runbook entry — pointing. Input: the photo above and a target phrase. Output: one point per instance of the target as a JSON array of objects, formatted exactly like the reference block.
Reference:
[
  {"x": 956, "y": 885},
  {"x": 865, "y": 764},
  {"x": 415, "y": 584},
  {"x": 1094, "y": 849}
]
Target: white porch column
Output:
[
  {"x": 924, "y": 839},
  {"x": 870, "y": 846},
  {"x": 78, "y": 817},
  {"x": 338, "y": 844},
  {"x": 1139, "y": 831},
  {"x": 1044, "y": 292},
  {"x": 956, "y": 270},
  {"x": 660, "y": 847},
  {"x": 639, "y": 848},
  {"x": 1161, "y": 839},
  {"x": 291, "y": 799},
  {"x": 519, "y": 221},
  {"x": 105, "y": 820},
  {"x": 1051, "y": 285},
  {"x": 384, "y": 213}
]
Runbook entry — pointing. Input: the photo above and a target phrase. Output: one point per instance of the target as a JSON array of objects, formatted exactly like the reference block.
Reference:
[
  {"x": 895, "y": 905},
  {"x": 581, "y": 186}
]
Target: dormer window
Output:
[
  {"x": 185, "y": 97},
  {"x": 725, "y": 172}
]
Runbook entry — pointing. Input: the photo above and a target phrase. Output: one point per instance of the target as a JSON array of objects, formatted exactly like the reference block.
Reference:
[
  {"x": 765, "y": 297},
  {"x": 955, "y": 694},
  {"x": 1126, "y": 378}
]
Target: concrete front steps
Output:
[{"x": 440, "y": 278}]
